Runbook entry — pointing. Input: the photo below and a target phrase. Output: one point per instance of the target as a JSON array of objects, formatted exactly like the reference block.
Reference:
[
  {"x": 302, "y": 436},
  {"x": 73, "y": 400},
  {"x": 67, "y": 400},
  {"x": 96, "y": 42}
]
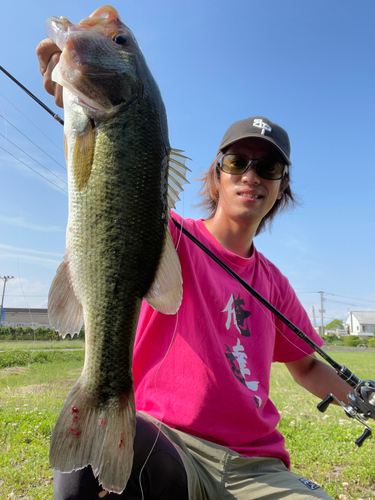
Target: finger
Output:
[
  {"x": 50, "y": 86},
  {"x": 44, "y": 51},
  {"x": 59, "y": 96}
]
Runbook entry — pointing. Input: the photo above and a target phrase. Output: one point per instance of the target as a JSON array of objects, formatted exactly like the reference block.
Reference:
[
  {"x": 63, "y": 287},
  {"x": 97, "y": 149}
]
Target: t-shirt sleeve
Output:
[{"x": 288, "y": 346}]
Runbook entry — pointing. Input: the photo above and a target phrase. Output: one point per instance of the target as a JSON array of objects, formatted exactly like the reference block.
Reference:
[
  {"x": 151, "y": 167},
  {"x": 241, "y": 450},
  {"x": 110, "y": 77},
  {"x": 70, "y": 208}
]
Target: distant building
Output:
[
  {"x": 361, "y": 323},
  {"x": 15, "y": 316},
  {"x": 339, "y": 332},
  {"x": 318, "y": 330}
]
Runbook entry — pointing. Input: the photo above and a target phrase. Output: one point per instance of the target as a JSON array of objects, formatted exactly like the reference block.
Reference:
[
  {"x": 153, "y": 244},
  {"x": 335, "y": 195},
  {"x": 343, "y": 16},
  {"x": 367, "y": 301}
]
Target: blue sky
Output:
[{"x": 305, "y": 65}]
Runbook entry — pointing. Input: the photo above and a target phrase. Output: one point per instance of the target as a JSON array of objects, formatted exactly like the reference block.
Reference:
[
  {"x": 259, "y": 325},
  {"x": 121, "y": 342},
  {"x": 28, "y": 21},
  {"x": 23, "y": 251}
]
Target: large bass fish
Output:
[{"x": 123, "y": 180}]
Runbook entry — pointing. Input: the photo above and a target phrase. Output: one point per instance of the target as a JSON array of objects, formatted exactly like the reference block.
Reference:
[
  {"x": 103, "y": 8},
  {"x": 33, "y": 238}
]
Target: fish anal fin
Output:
[
  {"x": 83, "y": 155},
  {"x": 101, "y": 435},
  {"x": 65, "y": 312},
  {"x": 165, "y": 294}
]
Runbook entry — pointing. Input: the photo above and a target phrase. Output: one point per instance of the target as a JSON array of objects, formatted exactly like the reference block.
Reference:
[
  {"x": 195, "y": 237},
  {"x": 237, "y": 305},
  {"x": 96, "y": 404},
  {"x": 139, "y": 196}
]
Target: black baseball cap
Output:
[{"x": 260, "y": 127}]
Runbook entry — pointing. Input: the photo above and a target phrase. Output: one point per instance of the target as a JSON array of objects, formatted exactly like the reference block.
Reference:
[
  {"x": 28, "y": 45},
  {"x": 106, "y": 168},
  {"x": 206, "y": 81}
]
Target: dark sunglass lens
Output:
[
  {"x": 234, "y": 164},
  {"x": 270, "y": 169}
]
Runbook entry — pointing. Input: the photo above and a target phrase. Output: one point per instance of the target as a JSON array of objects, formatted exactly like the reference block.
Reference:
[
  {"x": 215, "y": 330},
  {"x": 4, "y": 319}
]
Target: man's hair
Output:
[{"x": 210, "y": 194}]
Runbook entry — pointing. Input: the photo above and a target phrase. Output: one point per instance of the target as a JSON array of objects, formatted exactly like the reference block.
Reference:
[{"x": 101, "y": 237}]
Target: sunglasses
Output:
[{"x": 266, "y": 168}]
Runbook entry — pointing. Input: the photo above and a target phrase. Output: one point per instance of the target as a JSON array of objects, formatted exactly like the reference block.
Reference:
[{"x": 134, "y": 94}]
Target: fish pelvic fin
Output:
[
  {"x": 100, "y": 435},
  {"x": 65, "y": 312},
  {"x": 83, "y": 155},
  {"x": 165, "y": 294},
  {"x": 176, "y": 176}
]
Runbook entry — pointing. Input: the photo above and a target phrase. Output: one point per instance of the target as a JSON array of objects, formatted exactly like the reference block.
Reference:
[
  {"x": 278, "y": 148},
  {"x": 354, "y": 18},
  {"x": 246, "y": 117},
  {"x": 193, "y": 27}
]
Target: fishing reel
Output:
[{"x": 361, "y": 405}]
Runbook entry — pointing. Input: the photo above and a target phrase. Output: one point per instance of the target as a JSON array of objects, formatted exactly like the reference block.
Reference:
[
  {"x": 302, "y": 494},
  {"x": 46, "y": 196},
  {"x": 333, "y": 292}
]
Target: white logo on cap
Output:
[{"x": 258, "y": 122}]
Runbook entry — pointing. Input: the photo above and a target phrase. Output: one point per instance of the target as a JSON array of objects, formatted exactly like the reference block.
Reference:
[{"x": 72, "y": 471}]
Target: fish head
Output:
[{"x": 101, "y": 62}]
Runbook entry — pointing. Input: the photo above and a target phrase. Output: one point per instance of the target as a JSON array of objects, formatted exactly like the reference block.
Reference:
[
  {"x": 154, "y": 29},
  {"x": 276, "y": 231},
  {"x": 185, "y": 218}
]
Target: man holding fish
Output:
[{"x": 205, "y": 426}]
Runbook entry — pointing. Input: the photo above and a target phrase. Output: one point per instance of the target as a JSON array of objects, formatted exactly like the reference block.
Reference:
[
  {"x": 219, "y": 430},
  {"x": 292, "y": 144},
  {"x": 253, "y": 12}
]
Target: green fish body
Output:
[{"x": 119, "y": 249}]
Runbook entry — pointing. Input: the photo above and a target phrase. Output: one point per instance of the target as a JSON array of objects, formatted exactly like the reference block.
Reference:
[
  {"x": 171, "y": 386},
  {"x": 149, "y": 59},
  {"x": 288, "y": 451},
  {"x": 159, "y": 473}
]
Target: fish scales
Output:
[
  {"x": 120, "y": 226},
  {"x": 119, "y": 249}
]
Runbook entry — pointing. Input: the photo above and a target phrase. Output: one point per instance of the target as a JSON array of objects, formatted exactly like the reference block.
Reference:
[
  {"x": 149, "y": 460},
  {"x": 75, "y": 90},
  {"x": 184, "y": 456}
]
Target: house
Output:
[
  {"x": 15, "y": 316},
  {"x": 361, "y": 323}
]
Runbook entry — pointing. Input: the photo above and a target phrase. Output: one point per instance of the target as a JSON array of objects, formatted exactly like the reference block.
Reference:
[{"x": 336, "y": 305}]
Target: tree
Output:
[
  {"x": 336, "y": 324},
  {"x": 352, "y": 341}
]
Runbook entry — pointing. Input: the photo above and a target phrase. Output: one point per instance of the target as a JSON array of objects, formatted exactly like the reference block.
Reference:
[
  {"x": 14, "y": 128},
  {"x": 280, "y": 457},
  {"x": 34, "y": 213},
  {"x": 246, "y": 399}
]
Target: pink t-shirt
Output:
[{"x": 206, "y": 370}]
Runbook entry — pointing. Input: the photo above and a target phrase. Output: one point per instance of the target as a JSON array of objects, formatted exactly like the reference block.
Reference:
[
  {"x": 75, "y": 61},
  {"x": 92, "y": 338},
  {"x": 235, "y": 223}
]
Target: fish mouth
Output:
[
  {"x": 57, "y": 30},
  {"x": 71, "y": 75}
]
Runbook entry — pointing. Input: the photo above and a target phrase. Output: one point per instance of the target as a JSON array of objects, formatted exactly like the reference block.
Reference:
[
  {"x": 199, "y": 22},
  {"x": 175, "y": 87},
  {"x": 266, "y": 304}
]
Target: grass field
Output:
[{"x": 33, "y": 390}]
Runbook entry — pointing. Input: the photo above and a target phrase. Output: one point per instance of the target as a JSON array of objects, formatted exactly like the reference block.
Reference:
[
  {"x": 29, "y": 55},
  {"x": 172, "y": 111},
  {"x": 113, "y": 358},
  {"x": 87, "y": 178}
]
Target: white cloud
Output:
[
  {"x": 20, "y": 292},
  {"x": 28, "y": 250},
  {"x": 21, "y": 222},
  {"x": 49, "y": 263}
]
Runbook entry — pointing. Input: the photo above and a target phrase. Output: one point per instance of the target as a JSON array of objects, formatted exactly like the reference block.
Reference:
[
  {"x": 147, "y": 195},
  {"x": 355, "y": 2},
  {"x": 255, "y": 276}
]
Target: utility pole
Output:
[
  {"x": 321, "y": 310},
  {"x": 5, "y": 278},
  {"x": 314, "y": 318}
]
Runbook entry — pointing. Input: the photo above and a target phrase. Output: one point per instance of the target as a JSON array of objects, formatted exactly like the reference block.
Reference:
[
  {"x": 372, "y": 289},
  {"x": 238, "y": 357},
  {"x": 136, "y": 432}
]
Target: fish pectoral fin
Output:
[
  {"x": 65, "y": 312},
  {"x": 101, "y": 434},
  {"x": 83, "y": 155},
  {"x": 176, "y": 176},
  {"x": 165, "y": 294}
]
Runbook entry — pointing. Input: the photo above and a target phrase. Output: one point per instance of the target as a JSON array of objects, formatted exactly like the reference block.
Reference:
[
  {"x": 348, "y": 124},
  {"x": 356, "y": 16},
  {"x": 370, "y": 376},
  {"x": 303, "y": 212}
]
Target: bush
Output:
[
  {"x": 371, "y": 342},
  {"x": 10, "y": 333},
  {"x": 330, "y": 339},
  {"x": 26, "y": 358},
  {"x": 352, "y": 341}
]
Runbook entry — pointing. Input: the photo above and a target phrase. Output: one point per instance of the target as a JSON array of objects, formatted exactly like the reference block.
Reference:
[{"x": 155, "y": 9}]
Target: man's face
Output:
[{"x": 249, "y": 197}]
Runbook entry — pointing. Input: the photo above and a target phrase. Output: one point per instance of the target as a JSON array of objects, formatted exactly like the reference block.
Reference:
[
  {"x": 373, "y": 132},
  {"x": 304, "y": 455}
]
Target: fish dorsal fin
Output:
[
  {"x": 176, "y": 176},
  {"x": 165, "y": 294},
  {"x": 83, "y": 155},
  {"x": 65, "y": 312}
]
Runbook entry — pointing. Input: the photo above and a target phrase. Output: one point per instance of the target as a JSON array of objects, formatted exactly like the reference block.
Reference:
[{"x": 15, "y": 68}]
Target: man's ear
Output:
[{"x": 283, "y": 185}]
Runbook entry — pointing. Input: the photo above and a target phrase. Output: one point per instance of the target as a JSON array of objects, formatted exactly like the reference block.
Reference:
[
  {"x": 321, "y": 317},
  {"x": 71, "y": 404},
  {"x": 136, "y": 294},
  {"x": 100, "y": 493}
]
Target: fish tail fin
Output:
[{"x": 99, "y": 435}]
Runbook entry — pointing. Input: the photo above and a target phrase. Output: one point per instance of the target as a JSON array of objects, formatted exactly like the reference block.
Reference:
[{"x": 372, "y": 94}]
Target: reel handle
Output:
[
  {"x": 366, "y": 433},
  {"x": 323, "y": 405}
]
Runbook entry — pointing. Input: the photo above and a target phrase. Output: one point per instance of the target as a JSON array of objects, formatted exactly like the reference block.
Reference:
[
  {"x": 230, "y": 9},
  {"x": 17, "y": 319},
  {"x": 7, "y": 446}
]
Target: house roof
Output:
[{"x": 364, "y": 317}]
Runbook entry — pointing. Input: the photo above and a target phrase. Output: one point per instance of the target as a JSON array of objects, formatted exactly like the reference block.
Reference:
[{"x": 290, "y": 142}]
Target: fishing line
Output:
[
  {"x": 23, "y": 293},
  {"x": 341, "y": 370},
  {"x": 158, "y": 422}
]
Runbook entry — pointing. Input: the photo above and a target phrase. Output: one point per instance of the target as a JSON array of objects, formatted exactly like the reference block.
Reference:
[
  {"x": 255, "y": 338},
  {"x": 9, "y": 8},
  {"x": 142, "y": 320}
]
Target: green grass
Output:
[
  {"x": 31, "y": 397},
  {"x": 321, "y": 445},
  {"x": 41, "y": 344}
]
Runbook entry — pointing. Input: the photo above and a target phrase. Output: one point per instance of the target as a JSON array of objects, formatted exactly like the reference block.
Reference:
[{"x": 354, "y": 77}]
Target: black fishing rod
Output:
[
  {"x": 55, "y": 116},
  {"x": 361, "y": 402}
]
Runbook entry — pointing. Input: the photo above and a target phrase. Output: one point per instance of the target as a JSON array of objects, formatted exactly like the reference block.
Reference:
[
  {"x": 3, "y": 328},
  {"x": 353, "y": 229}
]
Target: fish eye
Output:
[{"x": 120, "y": 39}]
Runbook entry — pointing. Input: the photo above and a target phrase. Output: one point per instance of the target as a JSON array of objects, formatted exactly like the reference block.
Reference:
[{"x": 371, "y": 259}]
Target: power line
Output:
[
  {"x": 50, "y": 171},
  {"x": 32, "y": 123},
  {"x": 28, "y": 166},
  {"x": 352, "y": 298},
  {"x": 8, "y": 295},
  {"x": 343, "y": 296},
  {"x": 1, "y": 116}
]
